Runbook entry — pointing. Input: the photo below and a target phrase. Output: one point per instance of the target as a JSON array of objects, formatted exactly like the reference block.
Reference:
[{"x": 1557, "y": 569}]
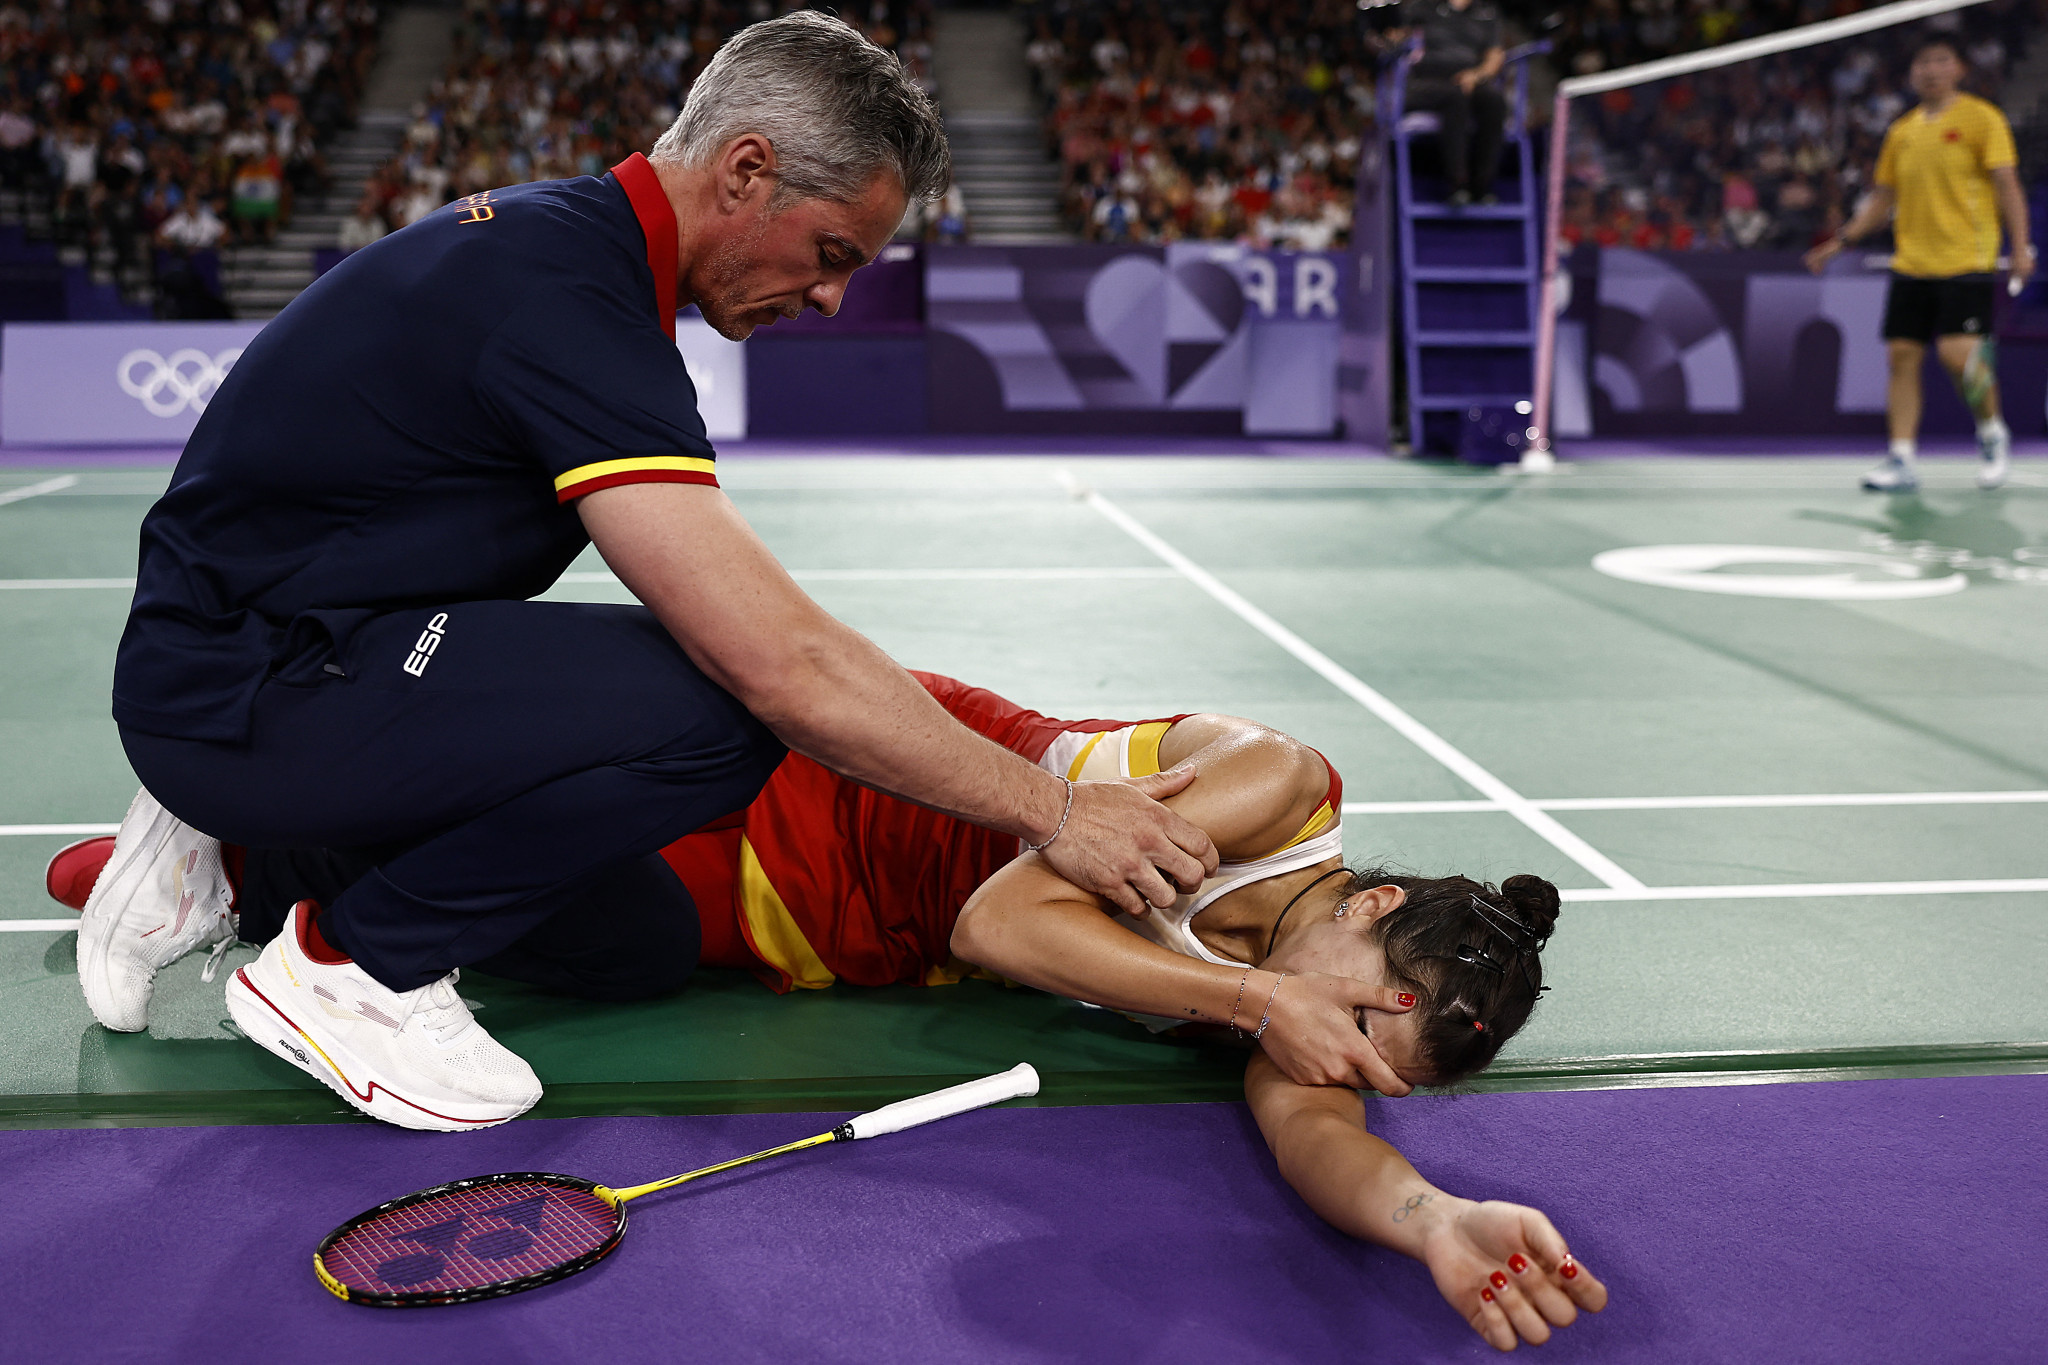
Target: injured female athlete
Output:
[{"x": 1341, "y": 977}]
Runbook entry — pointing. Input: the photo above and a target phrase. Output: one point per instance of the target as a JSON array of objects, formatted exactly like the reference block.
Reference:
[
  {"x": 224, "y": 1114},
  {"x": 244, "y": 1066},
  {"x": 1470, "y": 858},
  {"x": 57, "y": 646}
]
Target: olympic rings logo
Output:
[{"x": 167, "y": 386}]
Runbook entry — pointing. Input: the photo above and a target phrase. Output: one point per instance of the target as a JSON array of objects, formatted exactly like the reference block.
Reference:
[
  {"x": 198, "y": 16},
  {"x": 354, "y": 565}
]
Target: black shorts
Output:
[{"x": 1923, "y": 309}]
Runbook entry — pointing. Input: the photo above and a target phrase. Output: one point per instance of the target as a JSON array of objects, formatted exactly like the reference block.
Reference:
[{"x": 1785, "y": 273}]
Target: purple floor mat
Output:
[{"x": 1866, "y": 1222}]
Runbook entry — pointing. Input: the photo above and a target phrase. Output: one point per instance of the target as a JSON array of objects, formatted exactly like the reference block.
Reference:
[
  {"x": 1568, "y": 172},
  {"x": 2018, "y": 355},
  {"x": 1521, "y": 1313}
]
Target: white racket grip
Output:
[{"x": 1018, "y": 1081}]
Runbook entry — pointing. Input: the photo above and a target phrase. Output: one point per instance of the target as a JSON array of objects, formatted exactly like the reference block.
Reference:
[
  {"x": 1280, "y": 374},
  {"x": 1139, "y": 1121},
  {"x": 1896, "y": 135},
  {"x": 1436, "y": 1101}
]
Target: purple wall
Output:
[{"x": 1752, "y": 344}]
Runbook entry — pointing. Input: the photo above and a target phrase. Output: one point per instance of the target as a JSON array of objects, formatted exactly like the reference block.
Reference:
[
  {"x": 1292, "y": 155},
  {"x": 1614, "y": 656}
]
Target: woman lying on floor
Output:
[{"x": 821, "y": 880}]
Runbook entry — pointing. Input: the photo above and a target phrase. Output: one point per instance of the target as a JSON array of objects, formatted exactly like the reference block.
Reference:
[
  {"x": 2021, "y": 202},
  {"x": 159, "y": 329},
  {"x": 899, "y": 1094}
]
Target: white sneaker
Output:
[
  {"x": 162, "y": 893},
  {"x": 414, "y": 1058},
  {"x": 1894, "y": 475},
  {"x": 1997, "y": 453}
]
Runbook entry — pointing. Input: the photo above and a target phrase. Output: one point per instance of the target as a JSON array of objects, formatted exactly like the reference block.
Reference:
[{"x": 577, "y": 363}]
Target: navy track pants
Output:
[{"x": 494, "y": 765}]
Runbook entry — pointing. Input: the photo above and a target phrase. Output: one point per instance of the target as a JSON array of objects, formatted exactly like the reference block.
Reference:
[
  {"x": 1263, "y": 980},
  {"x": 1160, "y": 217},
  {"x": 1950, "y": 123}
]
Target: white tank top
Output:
[{"x": 1134, "y": 752}]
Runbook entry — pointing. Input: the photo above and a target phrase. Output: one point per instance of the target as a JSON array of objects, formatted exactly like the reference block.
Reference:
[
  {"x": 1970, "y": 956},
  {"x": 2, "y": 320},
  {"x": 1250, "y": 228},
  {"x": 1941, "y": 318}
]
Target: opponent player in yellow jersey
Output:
[{"x": 1949, "y": 169}]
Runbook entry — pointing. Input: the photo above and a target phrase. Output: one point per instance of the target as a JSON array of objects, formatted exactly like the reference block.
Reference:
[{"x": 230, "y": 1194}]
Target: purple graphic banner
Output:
[
  {"x": 112, "y": 383},
  {"x": 1753, "y": 344},
  {"x": 1190, "y": 338}
]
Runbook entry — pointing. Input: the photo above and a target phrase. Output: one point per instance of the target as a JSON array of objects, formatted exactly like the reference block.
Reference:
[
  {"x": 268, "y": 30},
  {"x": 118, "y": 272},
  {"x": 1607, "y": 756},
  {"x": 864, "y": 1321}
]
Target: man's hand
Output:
[
  {"x": 1312, "y": 1033},
  {"x": 1121, "y": 844},
  {"x": 1818, "y": 258},
  {"x": 1468, "y": 80},
  {"x": 1506, "y": 1271},
  {"x": 2024, "y": 262}
]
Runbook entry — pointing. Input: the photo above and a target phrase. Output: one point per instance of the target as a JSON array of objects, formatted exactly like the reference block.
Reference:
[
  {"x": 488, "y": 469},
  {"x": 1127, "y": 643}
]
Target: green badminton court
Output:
[{"x": 1796, "y": 788}]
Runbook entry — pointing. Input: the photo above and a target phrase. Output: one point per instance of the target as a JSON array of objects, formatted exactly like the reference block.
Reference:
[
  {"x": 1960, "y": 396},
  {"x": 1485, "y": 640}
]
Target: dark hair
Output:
[
  {"x": 1472, "y": 953},
  {"x": 1935, "y": 40}
]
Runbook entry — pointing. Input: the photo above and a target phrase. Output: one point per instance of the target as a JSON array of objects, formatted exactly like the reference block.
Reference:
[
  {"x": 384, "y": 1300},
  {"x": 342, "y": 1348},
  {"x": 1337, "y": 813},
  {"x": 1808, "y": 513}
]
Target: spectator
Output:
[
  {"x": 1186, "y": 122},
  {"x": 362, "y": 227},
  {"x": 192, "y": 227}
]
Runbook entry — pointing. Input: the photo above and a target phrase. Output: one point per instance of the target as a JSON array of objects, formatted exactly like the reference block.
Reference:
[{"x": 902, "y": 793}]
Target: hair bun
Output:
[{"x": 1534, "y": 899}]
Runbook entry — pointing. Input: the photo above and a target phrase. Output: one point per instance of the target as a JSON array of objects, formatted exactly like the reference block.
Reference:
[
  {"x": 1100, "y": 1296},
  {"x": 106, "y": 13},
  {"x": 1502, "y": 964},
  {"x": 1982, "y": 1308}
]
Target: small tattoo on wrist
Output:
[{"x": 1401, "y": 1214}]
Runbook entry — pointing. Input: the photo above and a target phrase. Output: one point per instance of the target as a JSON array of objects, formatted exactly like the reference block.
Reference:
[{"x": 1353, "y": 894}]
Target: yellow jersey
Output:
[{"x": 1939, "y": 168}]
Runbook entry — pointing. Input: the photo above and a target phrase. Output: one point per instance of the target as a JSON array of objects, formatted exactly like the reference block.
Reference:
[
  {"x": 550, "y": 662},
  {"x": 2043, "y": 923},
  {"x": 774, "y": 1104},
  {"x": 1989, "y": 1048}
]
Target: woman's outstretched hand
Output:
[
  {"x": 1312, "y": 1032},
  {"x": 1508, "y": 1273}
]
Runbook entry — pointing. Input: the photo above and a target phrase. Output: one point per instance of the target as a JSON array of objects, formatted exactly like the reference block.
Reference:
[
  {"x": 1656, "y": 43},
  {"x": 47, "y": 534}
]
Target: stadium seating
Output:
[{"x": 139, "y": 137}]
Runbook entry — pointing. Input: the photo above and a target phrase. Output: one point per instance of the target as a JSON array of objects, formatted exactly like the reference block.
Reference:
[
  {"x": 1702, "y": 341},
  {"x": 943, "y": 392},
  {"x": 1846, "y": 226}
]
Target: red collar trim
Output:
[{"x": 658, "y": 223}]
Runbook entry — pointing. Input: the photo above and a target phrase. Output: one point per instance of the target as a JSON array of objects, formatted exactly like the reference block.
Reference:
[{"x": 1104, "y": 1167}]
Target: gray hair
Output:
[{"x": 837, "y": 109}]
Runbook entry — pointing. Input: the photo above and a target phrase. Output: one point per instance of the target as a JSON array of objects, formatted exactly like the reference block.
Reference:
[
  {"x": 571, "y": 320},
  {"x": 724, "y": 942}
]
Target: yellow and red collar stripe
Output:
[{"x": 650, "y": 469}]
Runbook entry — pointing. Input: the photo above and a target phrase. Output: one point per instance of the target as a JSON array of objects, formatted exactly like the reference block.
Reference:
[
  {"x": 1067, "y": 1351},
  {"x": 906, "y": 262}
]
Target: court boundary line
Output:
[
  {"x": 1989, "y": 886},
  {"x": 1798, "y": 800},
  {"x": 1593, "y": 895},
  {"x": 1762, "y": 802},
  {"x": 1414, "y": 731},
  {"x": 36, "y": 490},
  {"x": 1027, "y": 573}
]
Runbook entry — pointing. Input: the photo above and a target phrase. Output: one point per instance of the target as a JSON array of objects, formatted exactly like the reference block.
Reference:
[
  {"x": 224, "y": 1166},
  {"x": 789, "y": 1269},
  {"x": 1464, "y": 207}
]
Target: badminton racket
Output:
[{"x": 498, "y": 1234}]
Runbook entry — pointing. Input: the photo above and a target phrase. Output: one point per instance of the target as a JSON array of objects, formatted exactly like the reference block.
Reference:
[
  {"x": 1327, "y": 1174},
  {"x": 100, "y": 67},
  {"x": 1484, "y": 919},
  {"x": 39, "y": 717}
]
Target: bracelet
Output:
[
  {"x": 1267, "y": 1017},
  {"x": 1033, "y": 848},
  {"x": 1239, "y": 1001}
]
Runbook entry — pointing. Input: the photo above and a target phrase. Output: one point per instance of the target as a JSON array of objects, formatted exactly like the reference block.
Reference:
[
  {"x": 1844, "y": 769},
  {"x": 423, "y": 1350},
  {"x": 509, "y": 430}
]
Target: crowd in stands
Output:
[
  {"x": 1773, "y": 152},
  {"x": 1239, "y": 120},
  {"x": 540, "y": 90},
  {"x": 148, "y": 130}
]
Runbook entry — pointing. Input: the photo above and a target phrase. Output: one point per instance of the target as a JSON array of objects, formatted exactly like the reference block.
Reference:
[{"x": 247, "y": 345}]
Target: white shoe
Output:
[
  {"x": 1997, "y": 453},
  {"x": 1894, "y": 475},
  {"x": 162, "y": 893},
  {"x": 414, "y": 1058}
]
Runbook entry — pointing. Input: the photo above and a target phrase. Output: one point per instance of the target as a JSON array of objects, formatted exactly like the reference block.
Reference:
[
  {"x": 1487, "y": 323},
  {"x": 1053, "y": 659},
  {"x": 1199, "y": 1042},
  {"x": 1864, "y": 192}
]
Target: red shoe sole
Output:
[{"x": 72, "y": 872}]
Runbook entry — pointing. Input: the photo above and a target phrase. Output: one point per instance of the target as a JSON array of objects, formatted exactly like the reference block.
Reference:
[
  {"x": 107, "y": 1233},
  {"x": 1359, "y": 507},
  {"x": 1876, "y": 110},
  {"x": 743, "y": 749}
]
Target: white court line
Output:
[
  {"x": 2008, "y": 798},
  {"x": 1603, "y": 894},
  {"x": 1038, "y": 574},
  {"x": 80, "y": 830},
  {"x": 58, "y": 584},
  {"x": 1034, "y": 575},
  {"x": 1806, "y": 890},
  {"x": 1418, "y": 734},
  {"x": 36, "y": 490}
]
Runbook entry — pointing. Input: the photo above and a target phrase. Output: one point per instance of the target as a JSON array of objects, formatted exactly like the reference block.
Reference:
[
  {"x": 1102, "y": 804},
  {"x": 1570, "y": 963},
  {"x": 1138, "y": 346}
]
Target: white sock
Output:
[
  {"x": 1992, "y": 429},
  {"x": 1904, "y": 448}
]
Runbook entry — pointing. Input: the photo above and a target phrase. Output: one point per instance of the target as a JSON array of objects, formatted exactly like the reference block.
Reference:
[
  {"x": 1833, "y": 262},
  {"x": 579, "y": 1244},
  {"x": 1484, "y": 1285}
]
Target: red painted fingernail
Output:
[
  {"x": 1500, "y": 1281},
  {"x": 1570, "y": 1270},
  {"x": 1404, "y": 1000},
  {"x": 1486, "y": 1294},
  {"x": 1517, "y": 1263}
]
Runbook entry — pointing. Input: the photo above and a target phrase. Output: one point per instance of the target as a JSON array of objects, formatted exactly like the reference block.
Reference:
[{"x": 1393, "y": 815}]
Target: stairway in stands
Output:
[
  {"x": 1011, "y": 185},
  {"x": 260, "y": 280}
]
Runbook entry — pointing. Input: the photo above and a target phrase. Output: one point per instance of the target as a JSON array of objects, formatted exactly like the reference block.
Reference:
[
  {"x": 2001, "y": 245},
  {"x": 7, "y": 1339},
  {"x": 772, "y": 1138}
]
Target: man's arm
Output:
[
  {"x": 1503, "y": 1267},
  {"x": 1489, "y": 66},
  {"x": 830, "y": 694},
  {"x": 1875, "y": 212},
  {"x": 2012, "y": 210}
]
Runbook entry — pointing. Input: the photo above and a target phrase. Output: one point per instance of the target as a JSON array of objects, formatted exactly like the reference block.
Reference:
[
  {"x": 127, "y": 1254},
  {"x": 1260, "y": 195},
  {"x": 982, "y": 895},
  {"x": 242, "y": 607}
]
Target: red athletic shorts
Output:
[{"x": 821, "y": 879}]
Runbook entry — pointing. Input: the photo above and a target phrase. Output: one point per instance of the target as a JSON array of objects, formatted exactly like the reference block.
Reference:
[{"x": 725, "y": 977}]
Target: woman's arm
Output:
[
  {"x": 1503, "y": 1267},
  {"x": 1257, "y": 788}
]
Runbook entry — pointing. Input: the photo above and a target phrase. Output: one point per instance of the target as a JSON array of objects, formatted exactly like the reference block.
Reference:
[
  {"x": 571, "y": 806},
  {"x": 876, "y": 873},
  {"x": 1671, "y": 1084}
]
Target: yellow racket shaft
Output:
[
  {"x": 621, "y": 1196},
  {"x": 1018, "y": 1081}
]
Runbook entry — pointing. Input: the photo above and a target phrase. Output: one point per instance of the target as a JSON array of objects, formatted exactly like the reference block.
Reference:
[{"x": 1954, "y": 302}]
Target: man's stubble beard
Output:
[{"x": 724, "y": 298}]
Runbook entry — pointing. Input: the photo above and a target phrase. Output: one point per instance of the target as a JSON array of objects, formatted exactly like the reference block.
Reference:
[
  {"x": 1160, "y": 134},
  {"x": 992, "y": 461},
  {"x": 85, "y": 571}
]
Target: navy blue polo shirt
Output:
[{"x": 411, "y": 431}]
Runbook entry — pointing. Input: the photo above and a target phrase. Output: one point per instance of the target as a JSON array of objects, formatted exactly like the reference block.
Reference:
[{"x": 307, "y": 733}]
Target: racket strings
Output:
[{"x": 471, "y": 1238}]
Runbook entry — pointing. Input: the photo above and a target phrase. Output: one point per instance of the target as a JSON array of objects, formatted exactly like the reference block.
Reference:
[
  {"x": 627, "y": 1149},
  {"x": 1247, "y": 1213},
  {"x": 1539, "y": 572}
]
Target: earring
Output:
[{"x": 1343, "y": 908}]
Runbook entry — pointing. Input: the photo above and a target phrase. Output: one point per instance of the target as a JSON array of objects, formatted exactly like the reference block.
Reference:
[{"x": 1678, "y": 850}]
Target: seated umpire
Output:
[
  {"x": 331, "y": 654},
  {"x": 1453, "y": 79}
]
